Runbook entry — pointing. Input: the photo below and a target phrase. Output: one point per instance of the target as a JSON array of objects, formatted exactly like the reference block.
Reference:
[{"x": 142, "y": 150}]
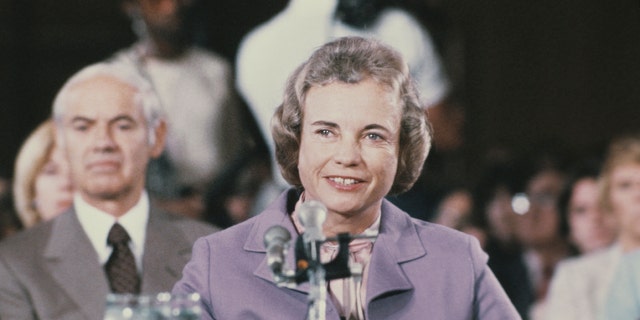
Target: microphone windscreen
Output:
[
  {"x": 276, "y": 235},
  {"x": 312, "y": 215}
]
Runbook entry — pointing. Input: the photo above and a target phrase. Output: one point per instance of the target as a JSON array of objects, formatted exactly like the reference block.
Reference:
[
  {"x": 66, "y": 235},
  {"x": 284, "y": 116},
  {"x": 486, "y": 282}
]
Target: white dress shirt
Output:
[{"x": 97, "y": 223}]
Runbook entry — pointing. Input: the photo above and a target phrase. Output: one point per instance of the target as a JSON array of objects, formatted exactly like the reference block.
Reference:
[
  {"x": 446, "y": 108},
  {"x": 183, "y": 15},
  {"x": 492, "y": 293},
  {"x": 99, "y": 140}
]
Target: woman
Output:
[
  {"x": 580, "y": 288},
  {"x": 349, "y": 132},
  {"x": 42, "y": 183},
  {"x": 622, "y": 298},
  {"x": 588, "y": 226}
]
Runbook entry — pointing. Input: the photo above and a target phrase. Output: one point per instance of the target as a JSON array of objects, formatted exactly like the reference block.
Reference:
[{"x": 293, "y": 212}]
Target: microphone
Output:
[
  {"x": 312, "y": 215},
  {"x": 276, "y": 240}
]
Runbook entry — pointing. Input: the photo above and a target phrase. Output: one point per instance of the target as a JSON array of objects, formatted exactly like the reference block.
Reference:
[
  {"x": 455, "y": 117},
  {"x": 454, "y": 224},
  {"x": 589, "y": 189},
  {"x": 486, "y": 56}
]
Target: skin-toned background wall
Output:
[{"x": 526, "y": 71}]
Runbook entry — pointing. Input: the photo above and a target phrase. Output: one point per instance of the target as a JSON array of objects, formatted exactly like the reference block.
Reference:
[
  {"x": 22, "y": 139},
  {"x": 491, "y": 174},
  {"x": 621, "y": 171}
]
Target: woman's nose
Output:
[{"x": 347, "y": 152}]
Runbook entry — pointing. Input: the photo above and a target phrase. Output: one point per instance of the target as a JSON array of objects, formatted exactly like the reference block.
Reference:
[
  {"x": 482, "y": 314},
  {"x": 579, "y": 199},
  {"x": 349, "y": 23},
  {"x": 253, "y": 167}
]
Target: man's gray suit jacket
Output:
[{"x": 51, "y": 271}]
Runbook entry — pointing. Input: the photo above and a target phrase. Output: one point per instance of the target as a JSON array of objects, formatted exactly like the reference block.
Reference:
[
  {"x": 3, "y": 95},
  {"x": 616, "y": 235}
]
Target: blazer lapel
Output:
[
  {"x": 166, "y": 252},
  {"x": 73, "y": 263},
  {"x": 255, "y": 243},
  {"x": 277, "y": 215},
  {"x": 398, "y": 242}
]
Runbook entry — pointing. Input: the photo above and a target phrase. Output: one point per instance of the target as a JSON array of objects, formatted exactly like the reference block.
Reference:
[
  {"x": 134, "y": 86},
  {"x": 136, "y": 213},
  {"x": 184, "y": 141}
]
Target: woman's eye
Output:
[
  {"x": 324, "y": 132},
  {"x": 374, "y": 136}
]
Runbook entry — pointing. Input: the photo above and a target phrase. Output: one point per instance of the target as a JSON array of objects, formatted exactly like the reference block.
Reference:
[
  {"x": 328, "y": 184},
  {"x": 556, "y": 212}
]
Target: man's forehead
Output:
[
  {"x": 101, "y": 95},
  {"x": 101, "y": 83}
]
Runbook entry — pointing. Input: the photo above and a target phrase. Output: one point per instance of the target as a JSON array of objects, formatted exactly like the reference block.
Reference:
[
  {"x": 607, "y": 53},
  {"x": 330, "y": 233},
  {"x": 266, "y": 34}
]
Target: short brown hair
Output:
[{"x": 352, "y": 60}]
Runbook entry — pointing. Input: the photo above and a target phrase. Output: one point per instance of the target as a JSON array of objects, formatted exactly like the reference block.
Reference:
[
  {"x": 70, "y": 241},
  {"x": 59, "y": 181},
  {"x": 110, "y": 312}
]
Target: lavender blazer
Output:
[{"x": 418, "y": 270}]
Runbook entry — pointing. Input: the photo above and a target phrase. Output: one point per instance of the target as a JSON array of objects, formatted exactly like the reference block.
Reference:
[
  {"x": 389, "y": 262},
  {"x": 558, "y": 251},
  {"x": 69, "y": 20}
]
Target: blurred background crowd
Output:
[{"x": 529, "y": 102}]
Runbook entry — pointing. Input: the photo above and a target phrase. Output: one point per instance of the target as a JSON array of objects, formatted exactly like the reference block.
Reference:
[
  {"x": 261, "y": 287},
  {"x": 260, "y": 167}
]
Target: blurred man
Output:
[
  {"x": 208, "y": 126},
  {"x": 109, "y": 125}
]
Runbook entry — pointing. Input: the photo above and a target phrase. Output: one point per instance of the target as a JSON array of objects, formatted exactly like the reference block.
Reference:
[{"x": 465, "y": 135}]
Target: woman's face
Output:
[
  {"x": 590, "y": 227},
  {"x": 625, "y": 202},
  {"x": 540, "y": 225},
  {"x": 349, "y": 146},
  {"x": 53, "y": 191}
]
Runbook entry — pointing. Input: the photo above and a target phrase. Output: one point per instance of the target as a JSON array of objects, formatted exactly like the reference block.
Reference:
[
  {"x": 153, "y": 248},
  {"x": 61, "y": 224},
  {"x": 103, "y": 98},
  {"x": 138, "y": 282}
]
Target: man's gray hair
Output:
[{"x": 145, "y": 97}]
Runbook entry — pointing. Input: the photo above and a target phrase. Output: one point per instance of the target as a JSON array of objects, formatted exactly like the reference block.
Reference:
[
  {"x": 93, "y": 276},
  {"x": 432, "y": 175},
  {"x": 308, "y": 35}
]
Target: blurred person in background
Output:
[
  {"x": 42, "y": 187},
  {"x": 493, "y": 192},
  {"x": 623, "y": 300},
  {"x": 588, "y": 226},
  {"x": 210, "y": 130},
  {"x": 455, "y": 211},
  {"x": 580, "y": 283},
  {"x": 617, "y": 293},
  {"x": 537, "y": 222}
]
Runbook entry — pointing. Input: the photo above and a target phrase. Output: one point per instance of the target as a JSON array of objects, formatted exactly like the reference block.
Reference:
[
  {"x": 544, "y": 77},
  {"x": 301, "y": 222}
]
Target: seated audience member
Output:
[
  {"x": 109, "y": 124},
  {"x": 455, "y": 211},
  {"x": 537, "y": 224},
  {"x": 623, "y": 299},
  {"x": 616, "y": 270},
  {"x": 209, "y": 129},
  {"x": 580, "y": 283},
  {"x": 41, "y": 182},
  {"x": 493, "y": 193},
  {"x": 588, "y": 226},
  {"x": 349, "y": 131}
]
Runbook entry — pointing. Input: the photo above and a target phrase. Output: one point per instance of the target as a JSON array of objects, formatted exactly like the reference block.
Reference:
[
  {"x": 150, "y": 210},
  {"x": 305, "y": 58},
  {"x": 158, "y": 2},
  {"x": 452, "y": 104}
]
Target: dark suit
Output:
[{"x": 51, "y": 271}]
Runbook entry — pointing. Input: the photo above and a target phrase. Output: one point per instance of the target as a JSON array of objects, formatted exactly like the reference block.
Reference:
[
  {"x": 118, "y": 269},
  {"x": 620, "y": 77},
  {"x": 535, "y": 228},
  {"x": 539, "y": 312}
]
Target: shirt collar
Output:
[{"x": 97, "y": 223}]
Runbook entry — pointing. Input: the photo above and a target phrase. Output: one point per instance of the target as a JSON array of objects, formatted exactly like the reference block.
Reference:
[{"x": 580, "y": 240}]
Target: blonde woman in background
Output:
[
  {"x": 581, "y": 290},
  {"x": 42, "y": 186}
]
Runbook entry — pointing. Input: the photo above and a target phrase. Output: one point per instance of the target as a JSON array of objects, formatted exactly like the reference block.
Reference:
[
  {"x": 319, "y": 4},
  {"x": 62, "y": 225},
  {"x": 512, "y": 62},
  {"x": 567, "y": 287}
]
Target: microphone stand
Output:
[
  {"x": 308, "y": 265},
  {"x": 309, "y": 268},
  {"x": 318, "y": 284}
]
